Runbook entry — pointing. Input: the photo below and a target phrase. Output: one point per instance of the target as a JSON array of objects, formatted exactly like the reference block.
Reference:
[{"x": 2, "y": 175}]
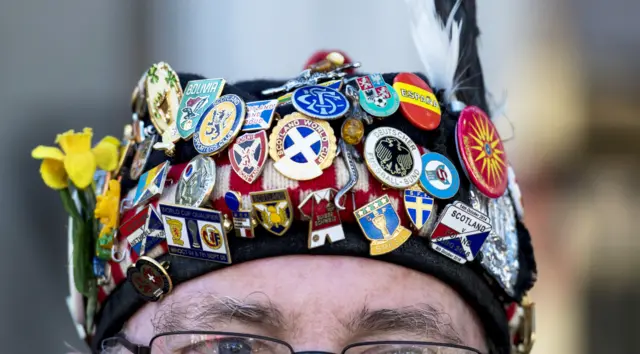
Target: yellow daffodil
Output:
[
  {"x": 77, "y": 160},
  {"x": 108, "y": 207}
]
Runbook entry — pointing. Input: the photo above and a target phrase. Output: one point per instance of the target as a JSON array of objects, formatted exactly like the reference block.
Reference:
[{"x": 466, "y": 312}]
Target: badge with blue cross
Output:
[
  {"x": 419, "y": 206},
  {"x": 381, "y": 225}
]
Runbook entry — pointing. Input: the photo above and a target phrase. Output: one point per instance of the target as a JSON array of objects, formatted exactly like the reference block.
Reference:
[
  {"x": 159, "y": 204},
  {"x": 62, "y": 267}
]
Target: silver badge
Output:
[
  {"x": 196, "y": 182},
  {"x": 392, "y": 157}
]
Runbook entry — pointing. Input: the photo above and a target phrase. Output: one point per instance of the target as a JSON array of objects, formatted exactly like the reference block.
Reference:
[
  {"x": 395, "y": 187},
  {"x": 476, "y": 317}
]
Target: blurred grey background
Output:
[{"x": 568, "y": 68}]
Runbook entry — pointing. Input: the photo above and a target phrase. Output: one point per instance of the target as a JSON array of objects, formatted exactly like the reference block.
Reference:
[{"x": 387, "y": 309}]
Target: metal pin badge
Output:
[{"x": 150, "y": 278}]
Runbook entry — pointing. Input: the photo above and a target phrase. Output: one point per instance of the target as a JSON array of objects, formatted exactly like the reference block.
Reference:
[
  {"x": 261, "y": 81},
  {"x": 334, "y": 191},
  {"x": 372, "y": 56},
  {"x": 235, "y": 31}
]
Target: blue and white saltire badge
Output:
[
  {"x": 381, "y": 225},
  {"x": 460, "y": 232},
  {"x": 154, "y": 229},
  {"x": 195, "y": 232},
  {"x": 151, "y": 184},
  {"x": 220, "y": 124},
  {"x": 419, "y": 206},
  {"x": 259, "y": 115},
  {"x": 376, "y": 96},
  {"x": 439, "y": 176},
  {"x": 143, "y": 231},
  {"x": 320, "y": 102},
  {"x": 198, "y": 96}
]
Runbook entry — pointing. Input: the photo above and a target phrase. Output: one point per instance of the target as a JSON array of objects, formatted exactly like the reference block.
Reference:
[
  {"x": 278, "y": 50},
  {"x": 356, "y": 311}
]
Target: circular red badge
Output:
[
  {"x": 481, "y": 152},
  {"x": 417, "y": 101}
]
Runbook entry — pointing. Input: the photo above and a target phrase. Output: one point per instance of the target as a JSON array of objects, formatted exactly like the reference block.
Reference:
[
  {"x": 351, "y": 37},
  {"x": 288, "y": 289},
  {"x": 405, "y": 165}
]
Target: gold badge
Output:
[
  {"x": 273, "y": 210},
  {"x": 381, "y": 225},
  {"x": 163, "y": 93}
]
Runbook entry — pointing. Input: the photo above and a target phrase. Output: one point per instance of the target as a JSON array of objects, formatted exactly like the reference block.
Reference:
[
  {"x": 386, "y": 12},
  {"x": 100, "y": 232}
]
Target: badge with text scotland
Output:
[
  {"x": 376, "y": 96},
  {"x": 380, "y": 224},
  {"x": 195, "y": 233},
  {"x": 151, "y": 184},
  {"x": 417, "y": 101},
  {"x": 324, "y": 217},
  {"x": 392, "y": 157},
  {"x": 259, "y": 115},
  {"x": 198, "y": 95},
  {"x": 334, "y": 84},
  {"x": 459, "y": 234},
  {"x": 219, "y": 125},
  {"x": 419, "y": 206},
  {"x": 143, "y": 231},
  {"x": 439, "y": 176},
  {"x": 150, "y": 278},
  {"x": 243, "y": 222},
  {"x": 320, "y": 102},
  {"x": 248, "y": 155},
  {"x": 273, "y": 210}
]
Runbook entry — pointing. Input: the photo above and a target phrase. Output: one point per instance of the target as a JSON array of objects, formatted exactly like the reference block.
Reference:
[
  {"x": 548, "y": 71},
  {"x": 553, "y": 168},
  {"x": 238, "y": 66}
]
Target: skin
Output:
[{"x": 315, "y": 303}]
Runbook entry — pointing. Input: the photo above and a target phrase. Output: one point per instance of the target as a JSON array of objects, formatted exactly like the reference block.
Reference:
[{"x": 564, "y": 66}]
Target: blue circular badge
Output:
[
  {"x": 320, "y": 102},
  {"x": 439, "y": 177},
  {"x": 220, "y": 124},
  {"x": 232, "y": 199}
]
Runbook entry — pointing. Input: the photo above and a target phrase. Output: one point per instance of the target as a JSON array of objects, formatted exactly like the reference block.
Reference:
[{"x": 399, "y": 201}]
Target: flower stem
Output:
[{"x": 69, "y": 204}]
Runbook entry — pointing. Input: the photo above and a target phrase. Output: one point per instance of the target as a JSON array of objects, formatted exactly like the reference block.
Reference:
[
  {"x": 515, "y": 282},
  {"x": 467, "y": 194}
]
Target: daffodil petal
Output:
[
  {"x": 80, "y": 167},
  {"x": 107, "y": 153},
  {"x": 47, "y": 152},
  {"x": 53, "y": 174},
  {"x": 72, "y": 142}
]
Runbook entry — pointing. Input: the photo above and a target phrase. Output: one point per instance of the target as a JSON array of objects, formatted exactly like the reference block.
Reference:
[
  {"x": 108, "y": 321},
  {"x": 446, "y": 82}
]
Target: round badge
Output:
[
  {"x": 302, "y": 147},
  {"x": 481, "y": 152},
  {"x": 163, "y": 94},
  {"x": 212, "y": 236},
  {"x": 417, "y": 101},
  {"x": 376, "y": 96},
  {"x": 320, "y": 102},
  {"x": 149, "y": 278},
  {"x": 439, "y": 177},
  {"x": 392, "y": 157},
  {"x": 196, "y": 182},
  {"x": 220, "y": 124},
  {"x": 232, "y": 199}
]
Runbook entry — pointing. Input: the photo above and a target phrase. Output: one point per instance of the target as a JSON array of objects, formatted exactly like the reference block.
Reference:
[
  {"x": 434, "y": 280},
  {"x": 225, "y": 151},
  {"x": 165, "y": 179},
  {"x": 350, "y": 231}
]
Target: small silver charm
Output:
[
  {"x": 308, "y": 78},
  {"x": 347, "y": 155}
]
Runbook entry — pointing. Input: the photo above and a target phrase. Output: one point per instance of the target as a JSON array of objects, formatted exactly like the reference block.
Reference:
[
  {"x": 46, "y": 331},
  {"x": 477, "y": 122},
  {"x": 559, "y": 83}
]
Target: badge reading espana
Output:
[
  {"x": 381, "y": 225},
  {"x": 198, "y": 95},
  {"x": 196, "y": 182},
  {"x": 220, "y": 124},
  {"x": 273, "y": 210},
  {"x": 392, "y": 157},
  {"x": 376, "y": 96},
  {"x": 248, "y": 155},
  {"x": 417, "y": 101},
  {"x": 302, "y": 147},
  {"x": 481, "y": 152},
  {"x": 163, "y": 93}
]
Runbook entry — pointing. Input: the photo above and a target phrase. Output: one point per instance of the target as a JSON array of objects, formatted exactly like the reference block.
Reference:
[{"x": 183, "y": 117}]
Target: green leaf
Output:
[
  {"x": 69, "y": 204},
  {"x": 92, "y": 305},
  {"x": 81, "y": 271}
]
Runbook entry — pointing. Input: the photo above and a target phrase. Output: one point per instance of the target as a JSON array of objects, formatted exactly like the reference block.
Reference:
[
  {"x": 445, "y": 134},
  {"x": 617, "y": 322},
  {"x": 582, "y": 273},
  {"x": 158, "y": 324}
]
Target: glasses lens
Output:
[
  {"x": 408, "y": 348},
  {"x": 183, "y": 343}
]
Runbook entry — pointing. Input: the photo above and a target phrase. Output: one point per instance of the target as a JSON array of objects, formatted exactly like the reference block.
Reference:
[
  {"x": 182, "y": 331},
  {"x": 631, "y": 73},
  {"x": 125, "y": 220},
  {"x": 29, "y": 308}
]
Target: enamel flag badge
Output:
[
  {"x": 381, "y": 225},
  {"x": 220, "y": 124},
  {"x": 376, "y": 96},
  {"x": 243, "y": 223},
  {"x": 248, "y": 155},
  {"x": 460, "y": 232},
  {"x": 439, "y": 176},
  {"x": 143, "y": 231},
  {"x": 324, "y": 217},
  {"x": 195, "y": 232},
  {"x": 419, "y": 206},
  {"x": 198, "y": 95},
  {"x": 259, "y": 115},
  {"x": 151, "y": 184},
  {"x": 481, "y": 152},
  {"x": 273, "y": 210},
  {"x": 417, "y": 101}
]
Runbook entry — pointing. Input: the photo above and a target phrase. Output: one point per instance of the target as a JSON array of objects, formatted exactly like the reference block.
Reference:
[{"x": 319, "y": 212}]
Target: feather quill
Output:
[{"x": 437, "y": 43}]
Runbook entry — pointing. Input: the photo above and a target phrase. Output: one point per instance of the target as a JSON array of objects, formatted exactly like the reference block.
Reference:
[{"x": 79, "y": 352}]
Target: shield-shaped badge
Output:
[
  {"x": 151, "y": 183},
  {"x": 381, "y": 225},
  {"x": 419, "y": 206},
  {"x": 273, "y": 210},
  {"x": 248, "y": 155}
]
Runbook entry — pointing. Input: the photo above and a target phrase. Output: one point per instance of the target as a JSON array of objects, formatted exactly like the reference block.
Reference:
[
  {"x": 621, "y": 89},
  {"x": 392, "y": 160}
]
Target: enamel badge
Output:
[
  {"x": 259, "y": 115},
  {"x": 302, "y": 147},
  {"x": 143, "y": 231},
  {"x": 376, "y": 96},
  {"x": 481, "y": 152},
  {"x": 324, "y": 217},
  {"x": 151, "y": 184},
  {"x": 243, "y": 223},
  {"x": 196, "y": 182},
  {"x": 140, "y": 158},
  {"x": 198, "y": 95},
  {"x": 320, "y": 102},
  {"x": 334, "y": 84},
  {"x": 220, "y": 124},
  {"x": 419, "y": 206},
  {"x": 195, "y": 232},
  {"x": 381, "y": 225},
  {"x": 392, "y": 157},
  {"x": 248, "y": 155},
  {"x": 417, "y": 101},
  {"x": 460, "y": 232},
  {"x": 273, "y": 210},
  {"x": 164, "y": 93},
  {"x": 150, "y": 278},
  {"x": 439, "y": 177}
]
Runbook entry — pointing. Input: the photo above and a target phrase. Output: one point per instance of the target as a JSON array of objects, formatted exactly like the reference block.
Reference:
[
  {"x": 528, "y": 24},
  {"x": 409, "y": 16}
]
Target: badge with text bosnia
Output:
[
  {"x": 195, "y": 233},
  {"x": 324, "y": 217},
  {"x": 302, "y": 147},
  {"x": 243, "y": 223},
  {"x": 259, "y": 115},
  {"x": 248, "y": 155},
  {"x": 273, "y": 210},
  {"x": 417, "y": 101},
  {"x": 151, "y": 184},
  {"x": 198, "y": 96},
  {"x": 381, "y": 225},
  {"x": 460, "y": 232},
  {"x": 376, "y": 96},
  {"x": 219, "y": 125},
  {"x": 143, "y": 231}
]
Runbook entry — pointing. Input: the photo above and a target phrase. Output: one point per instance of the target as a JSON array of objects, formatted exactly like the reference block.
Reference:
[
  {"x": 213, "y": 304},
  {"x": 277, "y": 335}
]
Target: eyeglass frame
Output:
[{"x": 141, "y": 349}]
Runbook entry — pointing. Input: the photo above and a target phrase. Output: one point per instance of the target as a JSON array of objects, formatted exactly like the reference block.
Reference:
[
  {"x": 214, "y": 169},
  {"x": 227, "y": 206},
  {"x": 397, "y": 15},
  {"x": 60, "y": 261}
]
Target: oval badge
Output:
[
  {"x": 439, "y": 177},
  {"x": 376, "y": 96},
  {"x": 220, "y": 124},
  {"x": 392, "y": 157},
  {"x": 196, "y": 182},
  {"x": 417, "y": 101},
  {"x": 320, "y": 102},
  {"x": 163, "y": 93},
  {"x": 481, "y": 152}
]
